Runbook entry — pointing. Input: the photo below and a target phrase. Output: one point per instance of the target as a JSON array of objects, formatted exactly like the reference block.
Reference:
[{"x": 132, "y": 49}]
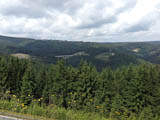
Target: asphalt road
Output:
[{"x": 8, "y": 118}]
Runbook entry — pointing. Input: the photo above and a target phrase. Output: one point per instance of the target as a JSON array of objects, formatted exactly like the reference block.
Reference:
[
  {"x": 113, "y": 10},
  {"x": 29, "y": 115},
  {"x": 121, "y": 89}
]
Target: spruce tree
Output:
[{"x": 28, "y": 84}]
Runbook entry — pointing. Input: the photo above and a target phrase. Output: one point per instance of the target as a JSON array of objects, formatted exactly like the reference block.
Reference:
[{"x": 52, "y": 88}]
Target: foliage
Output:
[{"x": 125, "y": 93}]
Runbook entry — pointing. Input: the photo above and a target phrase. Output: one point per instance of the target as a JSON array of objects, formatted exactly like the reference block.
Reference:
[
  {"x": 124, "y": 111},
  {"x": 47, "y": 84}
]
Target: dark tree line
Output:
[{"x": 115, "y": 93}]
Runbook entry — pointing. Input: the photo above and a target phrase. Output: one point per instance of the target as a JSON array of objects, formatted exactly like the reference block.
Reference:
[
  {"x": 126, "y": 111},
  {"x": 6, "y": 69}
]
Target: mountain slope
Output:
[{"x": 100, "y": 54}]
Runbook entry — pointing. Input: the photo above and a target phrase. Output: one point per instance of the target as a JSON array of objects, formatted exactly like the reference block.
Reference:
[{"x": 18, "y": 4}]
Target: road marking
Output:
[{"x": 8, "y": 118}]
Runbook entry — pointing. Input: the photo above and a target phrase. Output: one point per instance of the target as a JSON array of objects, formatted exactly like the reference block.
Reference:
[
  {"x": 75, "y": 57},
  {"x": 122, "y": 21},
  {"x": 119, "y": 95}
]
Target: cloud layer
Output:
[{"x": 81, "y": 20}]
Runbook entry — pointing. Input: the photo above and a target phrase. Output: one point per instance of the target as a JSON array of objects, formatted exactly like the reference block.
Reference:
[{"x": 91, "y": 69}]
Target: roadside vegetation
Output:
[
  {"x": 51, "y": 112},
  {"x": 62, "y": 92}
]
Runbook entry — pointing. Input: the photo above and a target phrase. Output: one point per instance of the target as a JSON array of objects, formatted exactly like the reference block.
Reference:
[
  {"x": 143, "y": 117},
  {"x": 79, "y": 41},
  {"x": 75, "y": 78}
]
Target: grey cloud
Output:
[
  {"x": 22, "y": 11},
  {"x": 141, "y": 26},
  {"x": 129, "y": 5},
  {"x": 58, "y": 19},
  {"x": 96, "y": 23},
  {"x": 68, "y": 6},
  {"x": 40, "y": 8},
  {"x": 144, "y": 24},
  {"x": 97, "y": 20}
]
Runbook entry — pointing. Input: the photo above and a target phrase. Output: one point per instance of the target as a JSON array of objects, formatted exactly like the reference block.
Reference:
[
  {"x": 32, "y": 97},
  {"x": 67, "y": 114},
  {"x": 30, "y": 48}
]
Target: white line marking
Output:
[{"x": 11, "y": 118}]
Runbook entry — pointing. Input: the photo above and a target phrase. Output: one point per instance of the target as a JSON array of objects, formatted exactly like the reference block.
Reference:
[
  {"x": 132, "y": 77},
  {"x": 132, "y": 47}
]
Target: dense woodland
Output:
[
  {"x": 121, "y": 93},
  {"x": 101, "y": 55}
]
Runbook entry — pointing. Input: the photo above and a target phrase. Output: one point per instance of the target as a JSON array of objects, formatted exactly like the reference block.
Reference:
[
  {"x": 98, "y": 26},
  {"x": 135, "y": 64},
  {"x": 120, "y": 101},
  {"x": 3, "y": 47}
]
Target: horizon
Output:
[
  {"x": 78, "y": 41},
  {"x": 84, "y": 20}
]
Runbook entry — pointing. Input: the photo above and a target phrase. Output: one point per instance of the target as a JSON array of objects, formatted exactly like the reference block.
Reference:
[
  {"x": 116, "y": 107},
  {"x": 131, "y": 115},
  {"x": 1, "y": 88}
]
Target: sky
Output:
[{"x": 82, "y": 20}]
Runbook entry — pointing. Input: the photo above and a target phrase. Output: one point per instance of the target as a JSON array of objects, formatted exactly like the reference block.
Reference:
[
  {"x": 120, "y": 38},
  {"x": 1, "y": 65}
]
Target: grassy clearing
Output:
[{"x": 21, "y": 56}]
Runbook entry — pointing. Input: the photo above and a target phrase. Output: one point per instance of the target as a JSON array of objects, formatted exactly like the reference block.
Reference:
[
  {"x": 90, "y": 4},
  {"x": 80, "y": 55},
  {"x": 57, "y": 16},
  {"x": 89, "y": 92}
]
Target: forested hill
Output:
[{"x": 113, "y": 55}]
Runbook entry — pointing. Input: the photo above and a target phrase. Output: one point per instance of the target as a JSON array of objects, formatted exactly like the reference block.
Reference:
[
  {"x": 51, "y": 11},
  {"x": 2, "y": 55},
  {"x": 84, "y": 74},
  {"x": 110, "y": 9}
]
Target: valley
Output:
[{"x": 101, "y": 55}]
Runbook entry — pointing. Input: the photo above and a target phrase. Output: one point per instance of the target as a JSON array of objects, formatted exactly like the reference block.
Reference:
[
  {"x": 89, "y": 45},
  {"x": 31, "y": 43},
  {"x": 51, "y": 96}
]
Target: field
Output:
[{"x": 21, "y": 56}]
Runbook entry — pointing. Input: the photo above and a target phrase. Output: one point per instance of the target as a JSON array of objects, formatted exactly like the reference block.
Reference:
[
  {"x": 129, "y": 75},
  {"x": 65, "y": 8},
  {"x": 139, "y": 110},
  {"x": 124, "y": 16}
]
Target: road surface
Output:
[{"x": 8, "y": 118}]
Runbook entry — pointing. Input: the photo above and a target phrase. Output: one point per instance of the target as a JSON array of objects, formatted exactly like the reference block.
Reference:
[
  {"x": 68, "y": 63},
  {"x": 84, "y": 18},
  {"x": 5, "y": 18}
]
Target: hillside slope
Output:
[{"x": 100, "y": 54}]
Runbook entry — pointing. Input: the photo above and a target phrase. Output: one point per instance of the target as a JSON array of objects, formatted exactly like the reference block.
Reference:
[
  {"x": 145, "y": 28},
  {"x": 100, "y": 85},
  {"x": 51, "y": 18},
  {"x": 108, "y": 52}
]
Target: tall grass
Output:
[
  {"x": 51, "y": 111},
  {"x": 37, "y": 108}
]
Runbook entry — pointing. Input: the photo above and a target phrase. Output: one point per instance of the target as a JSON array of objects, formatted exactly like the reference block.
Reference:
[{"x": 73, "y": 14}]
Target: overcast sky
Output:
[{"x": 82, "y": 20}]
